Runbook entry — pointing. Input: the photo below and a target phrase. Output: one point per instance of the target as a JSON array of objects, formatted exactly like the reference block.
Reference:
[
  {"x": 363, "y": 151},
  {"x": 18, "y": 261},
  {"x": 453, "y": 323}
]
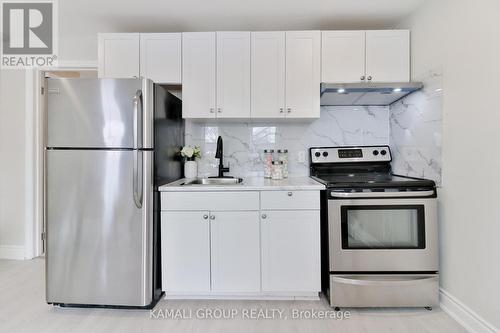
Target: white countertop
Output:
[{"x": 249, "y": 184}]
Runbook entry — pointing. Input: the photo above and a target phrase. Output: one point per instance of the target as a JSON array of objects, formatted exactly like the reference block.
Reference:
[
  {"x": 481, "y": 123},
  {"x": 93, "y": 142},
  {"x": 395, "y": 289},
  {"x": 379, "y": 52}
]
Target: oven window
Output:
[{"x": 383, "y": 227}]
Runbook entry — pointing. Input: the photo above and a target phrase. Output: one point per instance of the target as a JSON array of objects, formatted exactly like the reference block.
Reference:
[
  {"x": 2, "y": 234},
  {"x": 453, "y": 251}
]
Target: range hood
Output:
[{"x": 360, "y": 94}]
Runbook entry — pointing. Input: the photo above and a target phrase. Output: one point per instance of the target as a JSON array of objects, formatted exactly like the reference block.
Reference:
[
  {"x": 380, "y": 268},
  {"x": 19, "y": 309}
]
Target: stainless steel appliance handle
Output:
[
  {"x": 136, "y": 100},
  {"x": 364, "y": 281},
  {"x": 381, "y": 194},
  {"x": 137, "y": 179}
]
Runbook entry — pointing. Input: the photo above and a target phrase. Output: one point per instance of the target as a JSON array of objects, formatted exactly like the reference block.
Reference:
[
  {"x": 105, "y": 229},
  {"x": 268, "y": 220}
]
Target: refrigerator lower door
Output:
[{"x": 99, "y": 229}]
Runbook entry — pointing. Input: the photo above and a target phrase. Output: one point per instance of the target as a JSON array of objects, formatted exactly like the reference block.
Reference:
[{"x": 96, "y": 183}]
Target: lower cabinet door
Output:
[
  {"x": 235, "y": 249},
  {"x": 185, "y": 239},
  {"x": 291, "y": 251}
]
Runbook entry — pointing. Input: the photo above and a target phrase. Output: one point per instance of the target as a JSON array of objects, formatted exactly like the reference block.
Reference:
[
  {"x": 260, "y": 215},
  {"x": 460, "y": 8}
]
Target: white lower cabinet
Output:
[
  {"x": 235, "y": 251},
  {"x": 291, "y": 251},
  {"x": 185, "y": 239},
  {"x": 262, "y": 248}
]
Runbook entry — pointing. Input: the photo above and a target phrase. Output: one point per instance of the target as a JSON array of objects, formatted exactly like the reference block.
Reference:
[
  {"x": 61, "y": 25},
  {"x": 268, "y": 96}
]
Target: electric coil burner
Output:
[{"x": 379, "y": 230}]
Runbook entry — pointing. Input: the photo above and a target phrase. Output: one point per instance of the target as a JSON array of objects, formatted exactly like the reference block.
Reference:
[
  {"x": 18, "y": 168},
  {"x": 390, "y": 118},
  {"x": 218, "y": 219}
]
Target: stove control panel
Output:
[{"x": 351, "y": 154}]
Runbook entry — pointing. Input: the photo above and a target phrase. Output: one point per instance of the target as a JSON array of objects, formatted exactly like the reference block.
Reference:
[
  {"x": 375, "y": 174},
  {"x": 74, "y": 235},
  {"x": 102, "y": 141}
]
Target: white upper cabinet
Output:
[
  {"x": 303, "y": 74},
  {"x": 198, "y": 74},
  {"x": 153, "y": 56},
  {"x": 161, "y": 57},
  {"x": 365, "y": 56},
  {"x": 216, "y": 75},
  {"x": 256, "y": 74},
  {"x": 343, "y": 56},
  {"x": 286, "y": 74},
  {"x": 388, "y": 55},
  {"x": 118, "y": 55},
  {"x": 268, "y": 74},
  {"x": 233, "y": 74}
]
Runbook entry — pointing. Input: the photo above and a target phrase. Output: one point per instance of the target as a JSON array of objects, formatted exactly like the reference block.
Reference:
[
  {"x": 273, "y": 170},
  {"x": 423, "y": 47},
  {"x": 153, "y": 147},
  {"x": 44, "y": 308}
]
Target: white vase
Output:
[{"x": 190, "y": 169}]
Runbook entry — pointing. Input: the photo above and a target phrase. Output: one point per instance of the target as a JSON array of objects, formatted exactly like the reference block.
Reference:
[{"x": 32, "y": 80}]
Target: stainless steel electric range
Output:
[{"x": 379, "y": 230}]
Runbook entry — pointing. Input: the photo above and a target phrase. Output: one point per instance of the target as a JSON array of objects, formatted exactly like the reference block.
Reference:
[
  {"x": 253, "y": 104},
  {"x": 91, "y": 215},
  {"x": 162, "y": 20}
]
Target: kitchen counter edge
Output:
[{"x": 249, "y": 184}]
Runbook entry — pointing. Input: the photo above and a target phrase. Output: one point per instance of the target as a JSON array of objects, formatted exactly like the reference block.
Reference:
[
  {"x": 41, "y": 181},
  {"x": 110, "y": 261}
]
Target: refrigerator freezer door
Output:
[
  {"x": 100, "y": 113},
  {"x": 99, "y": 243}
]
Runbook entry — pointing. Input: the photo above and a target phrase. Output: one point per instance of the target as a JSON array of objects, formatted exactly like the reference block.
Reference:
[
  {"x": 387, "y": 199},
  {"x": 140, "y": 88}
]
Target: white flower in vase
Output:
[{"x": 190, "y": 166}]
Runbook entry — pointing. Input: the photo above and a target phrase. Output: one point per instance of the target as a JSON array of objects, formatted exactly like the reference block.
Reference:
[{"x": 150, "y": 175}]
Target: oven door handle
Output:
[{"x": 381, "y": 194}]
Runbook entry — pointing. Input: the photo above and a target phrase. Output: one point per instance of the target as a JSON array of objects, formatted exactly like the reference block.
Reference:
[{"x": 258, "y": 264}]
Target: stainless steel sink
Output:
[{"x": 213, "y": 181}]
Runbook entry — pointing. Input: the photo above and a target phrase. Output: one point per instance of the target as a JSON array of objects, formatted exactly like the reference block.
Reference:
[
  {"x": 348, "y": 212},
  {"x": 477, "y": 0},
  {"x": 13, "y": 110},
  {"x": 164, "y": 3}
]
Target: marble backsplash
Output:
[
  {"x": 416, "y": 132},
  {"x": 244, "y": 142}
]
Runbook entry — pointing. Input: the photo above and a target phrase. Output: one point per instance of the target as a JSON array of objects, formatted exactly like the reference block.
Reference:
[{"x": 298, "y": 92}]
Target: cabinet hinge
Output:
[
  {"x": 44, "y": 236},
  {"x": 42, "y": 90}
]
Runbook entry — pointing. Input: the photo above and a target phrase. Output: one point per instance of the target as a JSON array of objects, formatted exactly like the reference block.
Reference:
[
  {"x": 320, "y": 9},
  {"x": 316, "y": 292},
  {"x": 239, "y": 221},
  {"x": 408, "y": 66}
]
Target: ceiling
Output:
[
  {"x": 191, "y": 15},
  {"x": 80, "y": 20}
]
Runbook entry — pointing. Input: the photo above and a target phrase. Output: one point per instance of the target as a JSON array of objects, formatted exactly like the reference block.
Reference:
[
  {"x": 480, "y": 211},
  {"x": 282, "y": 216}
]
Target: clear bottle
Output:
[
  {"x": 277, "y": 170},
  {"x": 268, "y": 162},
  {"x": 283, "y": 157}
]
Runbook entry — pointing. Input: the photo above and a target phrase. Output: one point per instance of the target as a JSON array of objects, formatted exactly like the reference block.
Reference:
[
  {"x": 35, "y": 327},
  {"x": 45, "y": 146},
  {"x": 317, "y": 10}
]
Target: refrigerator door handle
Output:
[
  {"x": 137, "y": 179},
  {"x": 137, "y": 113}
]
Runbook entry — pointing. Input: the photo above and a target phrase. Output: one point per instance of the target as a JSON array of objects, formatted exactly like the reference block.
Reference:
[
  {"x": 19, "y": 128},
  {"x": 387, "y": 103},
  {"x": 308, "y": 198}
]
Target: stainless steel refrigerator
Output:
[{"x": 109, "y": 144}]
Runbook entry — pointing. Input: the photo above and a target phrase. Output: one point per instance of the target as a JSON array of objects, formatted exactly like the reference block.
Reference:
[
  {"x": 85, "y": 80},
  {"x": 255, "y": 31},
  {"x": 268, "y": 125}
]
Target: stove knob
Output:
[
  {"x": 325, "y": 154},
  {"x": 375, "y": 152},
  {"x": 317, "y": 154},
  {"x": 383, "y": 152}
]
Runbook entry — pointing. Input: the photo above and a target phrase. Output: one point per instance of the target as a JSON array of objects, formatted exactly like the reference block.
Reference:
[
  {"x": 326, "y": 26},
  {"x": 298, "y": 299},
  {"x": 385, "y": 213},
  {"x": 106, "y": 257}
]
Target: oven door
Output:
[{"x": 384, "y": 234}]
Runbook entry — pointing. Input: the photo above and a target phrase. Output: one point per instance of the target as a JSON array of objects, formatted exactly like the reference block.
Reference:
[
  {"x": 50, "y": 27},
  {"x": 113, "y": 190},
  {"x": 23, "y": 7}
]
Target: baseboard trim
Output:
[
  {"x": 14, "y": 252},
  {"x": 464, "y": 315},
  {"x": 300, "y": 296}
]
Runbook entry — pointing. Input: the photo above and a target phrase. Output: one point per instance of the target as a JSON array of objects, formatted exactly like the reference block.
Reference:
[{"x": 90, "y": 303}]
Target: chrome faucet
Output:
[{"x": 219, "y": 152}]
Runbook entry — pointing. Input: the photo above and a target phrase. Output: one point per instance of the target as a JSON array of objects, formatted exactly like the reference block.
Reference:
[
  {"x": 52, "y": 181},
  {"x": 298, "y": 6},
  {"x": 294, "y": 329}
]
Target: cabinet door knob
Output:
[
  {"x": 290, "y": 194},
  {"x": 281, "y": 110},
  {"x": 362, "y": 78},
  {"x": 289, "y": 110},
  {"x": 211, "y": 110},
  {"x": 205, "y": 216},
  {"x": 264, "y": 216},
  {"x": 369, "y": 78},
  {"x": 219, "y": 110},
  {"x": 212, "y": 217}
]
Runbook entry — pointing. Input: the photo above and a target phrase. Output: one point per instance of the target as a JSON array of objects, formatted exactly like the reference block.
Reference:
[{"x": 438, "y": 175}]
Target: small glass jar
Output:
[
  {"x": 268, "y": 162},
  {"x": 277, "y": 170},
  {"x": 283, "y": 157}
]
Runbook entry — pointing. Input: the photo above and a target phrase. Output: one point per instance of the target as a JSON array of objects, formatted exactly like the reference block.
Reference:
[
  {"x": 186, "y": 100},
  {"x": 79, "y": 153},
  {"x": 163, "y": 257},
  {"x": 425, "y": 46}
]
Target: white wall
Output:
[
  {"x": 462, "y": 37},
  {"x": 12, "y": 162}
]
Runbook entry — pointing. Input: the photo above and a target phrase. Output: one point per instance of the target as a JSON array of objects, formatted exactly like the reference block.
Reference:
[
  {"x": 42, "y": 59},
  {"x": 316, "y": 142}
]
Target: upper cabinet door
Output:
[
  {"x": 388, "y": 55},
  {"x": 303, "y": 77},
  {"x": 198, "y": 74},
  {"x": 233, "y": 74},
  {"x": 161, "y": 57},
  {"x": 268, "y": 75},
  {"x": 118, "y": 55},
  {"x": 342, "y": 56}
]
